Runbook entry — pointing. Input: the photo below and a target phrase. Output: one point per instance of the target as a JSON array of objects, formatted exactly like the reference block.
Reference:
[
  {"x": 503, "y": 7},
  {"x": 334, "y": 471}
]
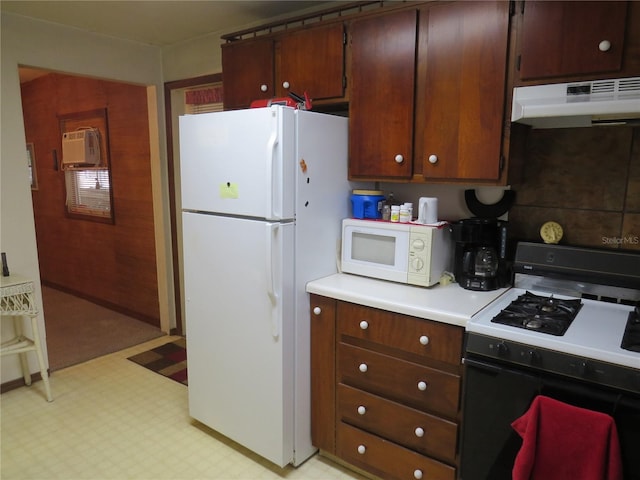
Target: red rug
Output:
[{"x": 169, "y": 360}]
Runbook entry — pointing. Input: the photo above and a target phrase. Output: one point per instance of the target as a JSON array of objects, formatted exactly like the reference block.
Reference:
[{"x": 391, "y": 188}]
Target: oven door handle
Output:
[{"x": 487, "y": 367}]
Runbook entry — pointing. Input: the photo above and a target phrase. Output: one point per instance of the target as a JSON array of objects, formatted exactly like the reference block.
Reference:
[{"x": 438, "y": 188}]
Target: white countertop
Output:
[{"x": 448, "y": 304}]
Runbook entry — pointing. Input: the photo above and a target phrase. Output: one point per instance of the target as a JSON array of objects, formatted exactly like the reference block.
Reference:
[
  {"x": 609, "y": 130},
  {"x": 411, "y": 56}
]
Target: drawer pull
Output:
[
  {"x": 604, "y": 46},
  {"x": 417, "y": 474},
  {"x": 361, "y": 449},
  {"x": 422, "y": 385},
  {"x": 424, "y": 340},
  {"x": 363, "y": 368},
  {"x": 364, "y": 324},
  {"x": 317, "y": 310},
  {"x": 419, "y": 432},
  {"x": 362, "y": 409}
]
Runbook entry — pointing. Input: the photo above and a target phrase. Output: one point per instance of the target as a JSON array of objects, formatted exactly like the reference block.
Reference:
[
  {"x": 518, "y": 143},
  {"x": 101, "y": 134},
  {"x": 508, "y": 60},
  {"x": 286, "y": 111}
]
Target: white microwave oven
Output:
[{"x": 400, "y": 252}]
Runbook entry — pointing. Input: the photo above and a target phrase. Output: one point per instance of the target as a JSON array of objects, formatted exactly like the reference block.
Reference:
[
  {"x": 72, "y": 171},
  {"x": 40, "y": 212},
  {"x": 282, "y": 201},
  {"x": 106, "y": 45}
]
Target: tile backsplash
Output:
[{"x": 586, "y": 179}]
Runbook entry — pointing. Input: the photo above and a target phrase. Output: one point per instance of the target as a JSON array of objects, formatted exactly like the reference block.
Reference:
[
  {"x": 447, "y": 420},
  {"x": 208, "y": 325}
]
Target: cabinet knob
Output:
[
  {"x": 361, "y": 449},
  {"x": 433, "y": 159},
  {"x": 419, "y": 432},
  {"x": 362, "y": 409},
  {"x": 363, "y": 368},
  {"x": 424, "y": 340},
  {"x": 364, "y": 324},
  {"x": 285, "y": 85},
  {"x": 399, "y": 158},
  {"x": 417, "y": 474},
  {"x": 317, "y": 310},
  {"x": 604, "y": 46},
  {"x": 263, "y": 88},
  {"x": 422, "y": 385}
]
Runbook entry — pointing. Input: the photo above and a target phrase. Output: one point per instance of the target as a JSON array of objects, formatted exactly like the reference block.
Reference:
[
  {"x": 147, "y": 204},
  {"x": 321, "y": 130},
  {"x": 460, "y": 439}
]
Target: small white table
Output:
[{"x": 16, "y": 301}]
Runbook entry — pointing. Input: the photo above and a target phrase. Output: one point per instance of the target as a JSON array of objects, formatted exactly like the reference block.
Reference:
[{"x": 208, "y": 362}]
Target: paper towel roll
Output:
[{"x": 428, "y": 210}]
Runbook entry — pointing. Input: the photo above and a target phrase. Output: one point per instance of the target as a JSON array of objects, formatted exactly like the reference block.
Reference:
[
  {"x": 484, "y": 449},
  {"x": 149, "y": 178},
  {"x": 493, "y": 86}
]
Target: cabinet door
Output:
[
  {"x": 313, "y": 61},
  {"x": 466, "y": 58},
  {"x": 381, "y": 95},
  {"x": 247, "y": 72},
  {"x": 571, "y": 38},
  {"x": 323, "y": 375}
]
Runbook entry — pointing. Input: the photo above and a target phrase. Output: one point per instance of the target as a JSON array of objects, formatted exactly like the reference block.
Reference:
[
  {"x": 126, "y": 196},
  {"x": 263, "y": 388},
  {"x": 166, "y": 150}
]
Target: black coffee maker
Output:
[
  {"x": 480, "y": 257},
  {"x": 480, "y": 253}
]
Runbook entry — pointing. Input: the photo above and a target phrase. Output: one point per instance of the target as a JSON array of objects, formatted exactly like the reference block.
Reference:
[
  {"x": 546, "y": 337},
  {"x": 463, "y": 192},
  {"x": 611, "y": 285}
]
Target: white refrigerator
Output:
[{"x": 263, "y": 194}]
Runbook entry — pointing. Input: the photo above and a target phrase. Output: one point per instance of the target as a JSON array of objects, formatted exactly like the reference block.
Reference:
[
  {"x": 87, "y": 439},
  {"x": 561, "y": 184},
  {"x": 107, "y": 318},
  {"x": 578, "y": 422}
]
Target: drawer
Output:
[
  {"x": 419, "y": 431},
  {"x": 409, "y": 383},
  {"x": 427, "y": 338},
  {"x": 387, "y": 459}
]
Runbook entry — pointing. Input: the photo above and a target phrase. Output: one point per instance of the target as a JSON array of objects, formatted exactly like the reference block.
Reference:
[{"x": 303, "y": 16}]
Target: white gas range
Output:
[
  {"x": 567, "y": 314},
  {"x": 557, "y": 333}
]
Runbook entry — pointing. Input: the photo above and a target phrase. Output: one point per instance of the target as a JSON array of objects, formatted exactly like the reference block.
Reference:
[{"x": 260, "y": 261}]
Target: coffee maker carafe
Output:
[{"x": 480, "y": 253}]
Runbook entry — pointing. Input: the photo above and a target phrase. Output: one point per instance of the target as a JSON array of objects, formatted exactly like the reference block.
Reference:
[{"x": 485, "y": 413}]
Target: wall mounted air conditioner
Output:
[{"x": 81, "y": 147}]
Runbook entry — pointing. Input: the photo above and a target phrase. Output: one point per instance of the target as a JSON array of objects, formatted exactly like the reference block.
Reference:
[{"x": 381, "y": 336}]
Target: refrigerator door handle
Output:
[
  {"x": 272, "y": 143},
  {"x": 272, "y": 230}
]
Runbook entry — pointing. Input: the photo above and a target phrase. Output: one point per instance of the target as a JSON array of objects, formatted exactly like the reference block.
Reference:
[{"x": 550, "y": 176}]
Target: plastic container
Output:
[
  {"x": 367, "y": 203},
  {"x": 405, "y": 216},
  {"x": 409, "y": 206},
  {"x": 386, "y": 212},
  {"x": 395, "y": 213}
]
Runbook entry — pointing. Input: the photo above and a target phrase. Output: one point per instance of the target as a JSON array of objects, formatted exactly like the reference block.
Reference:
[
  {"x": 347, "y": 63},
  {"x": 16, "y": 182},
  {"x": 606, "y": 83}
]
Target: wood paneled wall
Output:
[{"x": 110, "y": 264}]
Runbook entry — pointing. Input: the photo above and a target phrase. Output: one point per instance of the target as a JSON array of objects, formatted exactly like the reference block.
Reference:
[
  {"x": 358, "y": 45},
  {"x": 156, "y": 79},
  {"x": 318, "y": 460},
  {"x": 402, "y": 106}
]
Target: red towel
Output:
[{"x": 560, "y": 442}]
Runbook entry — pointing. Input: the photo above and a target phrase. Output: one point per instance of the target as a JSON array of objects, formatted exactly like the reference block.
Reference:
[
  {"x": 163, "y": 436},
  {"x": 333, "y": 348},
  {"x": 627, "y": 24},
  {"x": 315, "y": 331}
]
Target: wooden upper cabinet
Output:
[
  {"x": 247, "y": 72},
  {"x": 311, "y": 60},
  {"x": 460, "y": 122},
  {"x": 566, "y": 38},
  {"x": 381, "y": 96}
]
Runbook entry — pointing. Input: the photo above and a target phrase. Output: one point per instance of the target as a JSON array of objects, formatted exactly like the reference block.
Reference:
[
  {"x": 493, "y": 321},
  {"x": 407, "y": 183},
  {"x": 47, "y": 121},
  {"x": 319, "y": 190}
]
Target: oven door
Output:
[{"x": 496, "y": 395}]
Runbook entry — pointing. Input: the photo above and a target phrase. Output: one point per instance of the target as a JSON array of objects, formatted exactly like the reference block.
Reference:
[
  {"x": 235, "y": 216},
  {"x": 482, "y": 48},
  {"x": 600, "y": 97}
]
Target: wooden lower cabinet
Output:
[
  {"x": 387, "y": 459},
  {"x": 386, "y": 390}
]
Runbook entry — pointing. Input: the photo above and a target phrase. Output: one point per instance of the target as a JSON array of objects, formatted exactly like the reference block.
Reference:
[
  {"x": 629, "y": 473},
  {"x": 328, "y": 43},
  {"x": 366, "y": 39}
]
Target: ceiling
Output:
[{"x": 157, "y": 22}]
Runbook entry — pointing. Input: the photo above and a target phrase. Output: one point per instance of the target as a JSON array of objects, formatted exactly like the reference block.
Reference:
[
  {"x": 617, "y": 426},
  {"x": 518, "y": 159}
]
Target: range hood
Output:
[{"x": 578, "y": 104}]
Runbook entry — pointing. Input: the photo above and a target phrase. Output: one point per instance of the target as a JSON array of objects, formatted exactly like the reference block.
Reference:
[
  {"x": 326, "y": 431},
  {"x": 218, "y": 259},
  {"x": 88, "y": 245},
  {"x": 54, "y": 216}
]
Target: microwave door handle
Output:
[{"x": 270, "y": 254}]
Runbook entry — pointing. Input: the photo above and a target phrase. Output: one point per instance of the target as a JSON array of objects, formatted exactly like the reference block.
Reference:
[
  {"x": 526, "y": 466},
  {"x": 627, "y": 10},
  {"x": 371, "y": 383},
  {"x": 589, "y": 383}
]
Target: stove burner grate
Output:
[{"x": 539, "y": 313}]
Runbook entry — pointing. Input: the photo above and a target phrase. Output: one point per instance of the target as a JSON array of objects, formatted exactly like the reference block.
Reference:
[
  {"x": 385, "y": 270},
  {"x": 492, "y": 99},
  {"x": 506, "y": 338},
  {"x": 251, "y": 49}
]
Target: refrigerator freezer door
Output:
[
  {"x": 239, "y": 318},
  {"x": 239, "y": 162}
]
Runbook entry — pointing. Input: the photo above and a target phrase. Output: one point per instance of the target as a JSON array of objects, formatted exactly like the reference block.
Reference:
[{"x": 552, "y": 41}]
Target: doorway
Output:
[
  {"x": 110, "y": 264},
  {"x": 174, "y": 93}
]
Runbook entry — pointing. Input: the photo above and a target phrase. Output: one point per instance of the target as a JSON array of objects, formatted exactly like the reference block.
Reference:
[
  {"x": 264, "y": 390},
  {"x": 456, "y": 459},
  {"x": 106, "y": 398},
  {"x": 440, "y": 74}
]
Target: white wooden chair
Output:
[{"x": 17, "y": 301}]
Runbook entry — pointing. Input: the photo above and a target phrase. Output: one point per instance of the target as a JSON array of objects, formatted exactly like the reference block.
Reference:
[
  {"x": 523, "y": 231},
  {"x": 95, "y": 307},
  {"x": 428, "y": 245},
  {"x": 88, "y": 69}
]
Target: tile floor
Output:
[{"x": 113, "y": 419}]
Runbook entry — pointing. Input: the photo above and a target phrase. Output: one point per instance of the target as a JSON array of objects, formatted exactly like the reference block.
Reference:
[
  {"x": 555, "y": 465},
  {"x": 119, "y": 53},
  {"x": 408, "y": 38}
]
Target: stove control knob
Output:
[
  {"x": 502, "y": 349},
  {"x": 534, "y": 357},
  {"x": 580, "y": 368},
  {"x": 583, "y": 368}
]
